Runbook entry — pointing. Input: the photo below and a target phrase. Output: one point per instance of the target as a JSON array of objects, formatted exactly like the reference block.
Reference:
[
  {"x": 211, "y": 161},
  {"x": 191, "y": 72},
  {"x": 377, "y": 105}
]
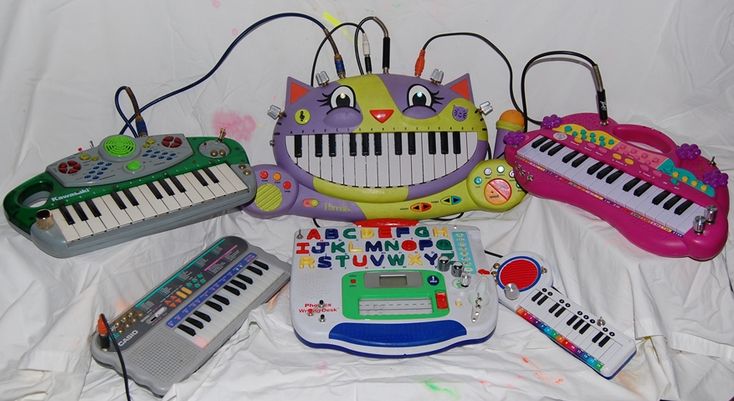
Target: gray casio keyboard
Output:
[{"x": 171, "y": 331}]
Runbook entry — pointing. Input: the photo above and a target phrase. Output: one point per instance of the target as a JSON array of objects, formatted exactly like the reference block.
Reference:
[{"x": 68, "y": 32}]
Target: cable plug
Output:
[
  {"x": 366, "y": 51},
  {"x": 339, "y": 65},
  {"x": 420, "y": 63}
]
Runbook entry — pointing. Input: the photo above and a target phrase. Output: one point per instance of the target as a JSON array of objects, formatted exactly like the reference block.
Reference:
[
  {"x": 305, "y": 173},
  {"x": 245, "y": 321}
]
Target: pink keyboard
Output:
[{"x": 664, "y": 198}]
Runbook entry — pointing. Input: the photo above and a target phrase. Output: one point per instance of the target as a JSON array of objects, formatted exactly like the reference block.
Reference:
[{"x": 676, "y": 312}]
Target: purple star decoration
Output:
[{"x": 551, "y": 121}]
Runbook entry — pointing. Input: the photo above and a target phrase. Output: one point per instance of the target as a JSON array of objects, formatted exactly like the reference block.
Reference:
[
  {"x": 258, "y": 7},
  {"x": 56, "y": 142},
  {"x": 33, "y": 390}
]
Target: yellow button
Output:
[
  {"x": 685, "y": 178},
  {"x": 186, "y": 290},
  {"x": 150, "y": 141},
  {"x": 84, "y": 156},
  {"x": 704, "y": 187},
  {"x": 578, "y": 140},
  {"x": 694, "y": 183},
  {"x": 675, "y": 174},
  {"x": 181, "y": 294},
  {"x": 629, "y": 161},
  {"x": 302, "y": 116},
  {"x": 617, "y": 156}
]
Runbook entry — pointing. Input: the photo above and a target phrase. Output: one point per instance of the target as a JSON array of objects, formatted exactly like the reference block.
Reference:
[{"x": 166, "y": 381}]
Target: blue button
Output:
[
  {"x": 433, "y": 279},
  {"x": 161, "y": 157},
  {"x": 156, "y": 152},
  {"x": 477, "y": 180},
  {"x": 397, "y": 334},
  {"x": 86, "y": 177},
  {"x": 108, "y": 164},
  {"x": 169, "y": 158},
  {"x": 95, "y": 167},
  {"x": 103, "y": 168},
  {"x": 95, "y": 177}
]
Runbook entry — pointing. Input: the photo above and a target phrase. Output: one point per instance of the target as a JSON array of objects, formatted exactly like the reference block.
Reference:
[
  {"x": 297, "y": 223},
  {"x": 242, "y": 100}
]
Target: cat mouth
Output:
[{"x": 382, "y": 160}]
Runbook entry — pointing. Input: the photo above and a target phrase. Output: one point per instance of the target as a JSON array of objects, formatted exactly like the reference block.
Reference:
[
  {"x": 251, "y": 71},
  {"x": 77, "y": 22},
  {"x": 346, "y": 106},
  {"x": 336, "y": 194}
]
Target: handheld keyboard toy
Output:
[
  {"x": 525, "y": 286},
  {"x": 391, "y": 291},
  {"x": 172, "y": 330},
  {"x": 129, "y": 187},
  {"x": 664, "y": 198},
  {"x": 382, "y": 146}
]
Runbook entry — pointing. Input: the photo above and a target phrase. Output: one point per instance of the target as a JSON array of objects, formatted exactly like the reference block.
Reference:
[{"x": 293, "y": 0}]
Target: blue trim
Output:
[{"x": 535, "y": 263}]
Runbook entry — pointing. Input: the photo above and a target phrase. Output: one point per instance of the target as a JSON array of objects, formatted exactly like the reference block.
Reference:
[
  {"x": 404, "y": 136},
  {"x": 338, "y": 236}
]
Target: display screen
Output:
[{"x": 393, "y": 281}]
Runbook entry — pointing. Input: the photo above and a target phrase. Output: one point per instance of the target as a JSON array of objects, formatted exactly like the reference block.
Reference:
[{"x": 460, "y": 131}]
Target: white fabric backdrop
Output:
[{"x": 666, "y": 64}]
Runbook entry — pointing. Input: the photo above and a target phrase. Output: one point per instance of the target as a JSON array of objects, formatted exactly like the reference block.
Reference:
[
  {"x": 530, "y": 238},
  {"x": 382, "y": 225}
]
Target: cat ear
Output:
[
  {"x": 295, "y": 90},
  {"x": 462, "y": 86}
]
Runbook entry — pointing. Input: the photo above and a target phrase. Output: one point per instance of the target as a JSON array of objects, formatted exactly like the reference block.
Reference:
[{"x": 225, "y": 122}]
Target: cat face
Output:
[{"x": 380, "y": 137}]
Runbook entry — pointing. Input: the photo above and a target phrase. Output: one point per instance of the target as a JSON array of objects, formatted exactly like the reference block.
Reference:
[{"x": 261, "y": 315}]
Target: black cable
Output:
[
  {"x": 385, "y": 43},
  {"x": 141, "y": 129},
  {"x": 339, "y": 64},
  {"x": 490, "y": 44},
  {"x": 121, "y": 113},
  {"x": 323, "y": 41},
  {"x": 600, "y": 93},
  {"x": 496, "y": 255},
  {"x": 119, "y": 354},
  {"x": 316, "y": 223}
]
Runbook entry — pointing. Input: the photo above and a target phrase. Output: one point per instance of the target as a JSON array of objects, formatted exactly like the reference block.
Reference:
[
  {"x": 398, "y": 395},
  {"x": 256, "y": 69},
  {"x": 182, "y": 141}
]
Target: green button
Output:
[
  {"x": 134, "y": 165},
  {"x": 119, "y": 146},
  {"x": 477, "y": 180}
]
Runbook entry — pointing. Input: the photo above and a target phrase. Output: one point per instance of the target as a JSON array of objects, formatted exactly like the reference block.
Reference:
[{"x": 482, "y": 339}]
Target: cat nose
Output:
[{"x": 381, "y": 115}]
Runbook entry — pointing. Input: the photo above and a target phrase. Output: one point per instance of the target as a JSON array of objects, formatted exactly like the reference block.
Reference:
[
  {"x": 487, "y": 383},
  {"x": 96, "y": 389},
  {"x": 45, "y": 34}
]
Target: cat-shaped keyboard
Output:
[{"x": 525, "y": 286}]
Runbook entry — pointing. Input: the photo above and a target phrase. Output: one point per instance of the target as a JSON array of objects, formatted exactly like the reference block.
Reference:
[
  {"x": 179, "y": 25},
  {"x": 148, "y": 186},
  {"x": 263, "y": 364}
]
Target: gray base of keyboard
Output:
[
  {"x": 52, "y": 241},
  {"x": 162, "y": 358}
]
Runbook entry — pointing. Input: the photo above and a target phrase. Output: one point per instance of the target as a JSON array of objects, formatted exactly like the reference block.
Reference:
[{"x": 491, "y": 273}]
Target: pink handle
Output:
[{"x": 631, "y": 133}]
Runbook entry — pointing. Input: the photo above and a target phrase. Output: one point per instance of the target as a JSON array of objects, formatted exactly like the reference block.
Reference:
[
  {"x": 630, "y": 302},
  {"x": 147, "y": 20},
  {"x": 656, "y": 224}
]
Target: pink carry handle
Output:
[{"x": 631, "y": 134}]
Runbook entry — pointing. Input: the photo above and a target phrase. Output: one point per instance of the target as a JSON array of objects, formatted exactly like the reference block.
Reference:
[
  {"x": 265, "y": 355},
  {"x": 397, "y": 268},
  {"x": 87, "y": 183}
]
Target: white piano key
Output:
[
  {"x": 406, "y": 163},
  {"x": 684, "y": 222},
  {"x": 229, "y": 174},
  {"x": 471, "y": 143},
  {"x": 383, "y": 161},
  {"x": 81, "y": 227},
  {"x": 180, "y": 197},
  {"x": 417, "y": 159},
  {"x": 157, "y": 204},
  {"x": 132, "y": 211},
  {"x": 194, "y": 183},
  {"x": 67, "y": 231},
  {"x": 348, "y": 162},
  {"x": 314, "y": 163},
  {"x": 143, "y": 205},
  {"x": 216, "y": 189},
  {"x": 436, "y": 162},
  {"x": 191, "y": 193},
  {"x": 360, "y": 164},
  {"x": 108, "y": 219},
  {"x": 95, "y": 223},
  {"x": 371, "y": 167},
  {"x": 120, "y": 215},
  {"x": 224, "y": 181},
  {"x": 393, "y": 161},
  {"x": 337, "y": 162},
  {"x": 168, "y": 200}
]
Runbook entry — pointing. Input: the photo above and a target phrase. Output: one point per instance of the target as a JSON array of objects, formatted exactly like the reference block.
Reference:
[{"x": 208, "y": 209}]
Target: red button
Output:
[
  {"x": 287, "y": 185},
  {"x": 264, "y": 175},
  {"x": 442, "y": 301}
]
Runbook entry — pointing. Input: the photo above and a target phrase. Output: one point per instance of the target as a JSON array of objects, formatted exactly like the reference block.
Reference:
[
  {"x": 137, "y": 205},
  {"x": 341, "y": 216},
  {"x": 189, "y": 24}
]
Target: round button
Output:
[
  {"x": 84, "y": 156},
  {"x": 477, "y": 180},
  {"x": 277, "y": 176},
  {"x": 487, "y": 171},
  {"x": 500, "y": 169},
  {"x": 497, "y": 191},
  {"x": 264, "y": 175},
  {"x": 134, "y": 165},
  {"x": 119, "y": 146},
  {"x": 287, "y": 185},
  {"x": 302, "y": 116},
  {"x": 432, "y": 279}
]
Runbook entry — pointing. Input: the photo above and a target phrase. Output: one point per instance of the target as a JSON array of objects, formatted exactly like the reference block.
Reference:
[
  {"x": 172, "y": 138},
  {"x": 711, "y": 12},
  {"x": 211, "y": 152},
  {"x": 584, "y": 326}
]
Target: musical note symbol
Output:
[{"x": 302, "y": 116}]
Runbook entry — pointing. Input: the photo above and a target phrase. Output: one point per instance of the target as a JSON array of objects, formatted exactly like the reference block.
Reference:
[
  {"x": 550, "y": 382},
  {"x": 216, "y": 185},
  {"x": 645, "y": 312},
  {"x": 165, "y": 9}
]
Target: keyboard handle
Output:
[{"x": 637, "y": 134}]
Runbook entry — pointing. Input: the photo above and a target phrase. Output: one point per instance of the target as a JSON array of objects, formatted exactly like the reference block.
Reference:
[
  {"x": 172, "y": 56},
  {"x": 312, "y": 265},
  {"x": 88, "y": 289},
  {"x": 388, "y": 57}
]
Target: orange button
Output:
[
  {"x": 497, "y": 191},
  {"x": 629, "y": 161},
  {"x": 276, "y": 176}
]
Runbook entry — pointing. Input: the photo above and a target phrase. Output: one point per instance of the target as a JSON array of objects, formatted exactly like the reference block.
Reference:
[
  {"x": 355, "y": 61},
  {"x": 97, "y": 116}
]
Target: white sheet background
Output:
[{"x": 666, "y": 64}]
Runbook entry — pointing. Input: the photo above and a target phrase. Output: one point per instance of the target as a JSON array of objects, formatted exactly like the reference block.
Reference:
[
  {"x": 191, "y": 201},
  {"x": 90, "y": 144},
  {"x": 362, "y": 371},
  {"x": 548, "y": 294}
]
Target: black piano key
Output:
[
  {"x": 178, "y": 184},
  {"x": 630, "y": 184},
  {"x": 594, "y": 168},
  {"x": 456, "y": 139},
  {"x": 398, "y": 143},
  {"x": 553, "y": 308},
  {"x": 332, "y": 145},
  {"x": 555, "y": 149},
  {"x": 539, "y": 141},
  {"x": 578, "y": 324},
  {"x": 255, "y": 270},
  {"x": 377, "y": 144},
  {"x": 199, "y": 178},
  {"x": 129, "y": 195},
  {"x": 547, "y": 145},
  {"x": 537, "y": 295},
  {"x": 186, "y": 329},
  {"x": 604, "y": 341},
  {"x": 579, "y": 160},
  {"x": 571, "y": 320},
  {"x": 67, "y": 215},
  {"x": 211, "y": 175},
  {"x": 232, "y": 290},
  {"x": 203, "y": 316},
  {"x": 583, "y": 329},
  {"x": 603, "y": 172},
  {"x": 214, "y": 306},
  {"x": 195, "y": 322},
  {"x": 261, "y": 265},
  {"x": 570, "y": 156},
  {"x": 444, "y": 143},
  {"x": 80, "y": 212},
  {"x": 166, "y": 187},
  {"x": 642, "y": 189},
  {"x": 298, "y": 146},
  {"x": 365, "y": 144},
  {"x": 244, "y": 278},
  {"x": 659, "y": 198},
  {"x": 154, "y": 190},
  {"x": 93, "y": 207},
  {"x": 597, "y": 337},
  {"x": 542, "y": 299},
  {"x": 239, "y": 283},
  {"x": 222, "y": 299},
  {"x": 352, "y": 144},
  {"x": 432, "y": 143},
  {"x": 560, "y": 311},
  {"x": 318, "y": 145},
  {"x": 614, "y": 176},
  {"x": 671, "y": 202},
  {"x": 683, "y": 207},
  {"x": 411, "y": 143},
  {"x": 118, "y": 201}
]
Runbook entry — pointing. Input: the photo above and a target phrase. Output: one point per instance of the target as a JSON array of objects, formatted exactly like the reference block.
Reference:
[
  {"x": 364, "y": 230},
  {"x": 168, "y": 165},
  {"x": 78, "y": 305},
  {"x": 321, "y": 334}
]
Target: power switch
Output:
[{"x": 442, "y": 301}]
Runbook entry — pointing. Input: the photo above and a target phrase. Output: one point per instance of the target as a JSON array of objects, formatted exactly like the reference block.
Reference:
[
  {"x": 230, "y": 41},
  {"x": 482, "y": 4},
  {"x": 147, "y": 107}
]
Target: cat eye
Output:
[
  {"x": 342, "y": 96},
  {"x": 418, "y": 95}
]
